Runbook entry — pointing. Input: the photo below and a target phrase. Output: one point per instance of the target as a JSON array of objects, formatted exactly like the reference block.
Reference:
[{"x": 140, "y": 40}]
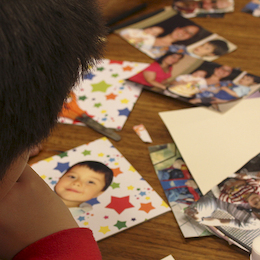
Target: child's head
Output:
[
  {"x": 83, "y": 181},
  {"x": 154, "y": 30},
  {"x": 211, "y": 48},
  {"x": 247, "y": 80},
  {"x": 199, "y": 73},
  {"x": 44, "y": 50}
]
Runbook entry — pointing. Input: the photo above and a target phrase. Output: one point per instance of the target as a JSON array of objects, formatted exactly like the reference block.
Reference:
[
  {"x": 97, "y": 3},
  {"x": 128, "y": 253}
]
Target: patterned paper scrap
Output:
[
  {"x": 104, "y": 94},
  {"x": 169, "y": 257},
  {"x": 128, "y": 201},
  {"x": 142, "y": 133}
]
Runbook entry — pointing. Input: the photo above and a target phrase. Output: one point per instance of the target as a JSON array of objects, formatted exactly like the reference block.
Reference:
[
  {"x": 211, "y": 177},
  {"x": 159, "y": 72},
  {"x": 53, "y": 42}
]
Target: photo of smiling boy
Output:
[{"x": 82, "y": 182}]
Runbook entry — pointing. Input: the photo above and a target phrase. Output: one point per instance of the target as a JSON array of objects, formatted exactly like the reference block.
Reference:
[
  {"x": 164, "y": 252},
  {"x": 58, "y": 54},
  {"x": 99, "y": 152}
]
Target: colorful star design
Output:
[
  {"x": 120, "y": 224},
  {"x": 61, "y": 155},
  {"x": 127, "y": 68},
  {"x": 111, "y": 96},
  {"x": 53, "y": 182},
  {"x": 81, "y": 218},
  {"x": 119, "y": 204},
  {"x": 116, "y": 171},
  {"x": 116, "y": 62},
  {"x": 115, "y": 75},
  {"x": 100, "y": 155},
  {"x": 147, "y": 207},
  {"x": 82, "y": 98},
  {"x": 48, "y": 159},
  {"x": 86, "y": 152},
  {"x": 102, "y": 86},
  {"x": 142, "y": 193},
  {"x": 100, "y": 68},
  {"x": 104, "y": 230},
  {"x": 131, "y": 169},
  {"x": 124, "y": 112},
  {"x": 124, "y": 101},
  {"x": 164, "y": 204},
  {"x": 115, "y": 185},
  {"x": 62, "y": 166},
  {"x": 112, "y": 159},
  {"x": 43, "y": 177},
  {"x": 93, "y": 201}
]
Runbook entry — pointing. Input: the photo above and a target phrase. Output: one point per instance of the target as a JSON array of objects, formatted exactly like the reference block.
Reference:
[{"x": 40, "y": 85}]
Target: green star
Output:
[
  {"x": 86, "y": 152},
  {"x": 120, "y": 224},
  {"x": 115, "y": 75},
  {"x": 115, "y": 185},
  {"x": 100, "y": 68},
  {"x": 102, "y": 86},
  {"x": 82, "y": 98},
  {"x": 98, "y": 105},
  {"x": 65, "y": 154}
]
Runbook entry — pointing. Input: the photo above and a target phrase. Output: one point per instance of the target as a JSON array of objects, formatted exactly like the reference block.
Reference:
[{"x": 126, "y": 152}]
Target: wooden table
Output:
[{"x": 161, "y": 236}]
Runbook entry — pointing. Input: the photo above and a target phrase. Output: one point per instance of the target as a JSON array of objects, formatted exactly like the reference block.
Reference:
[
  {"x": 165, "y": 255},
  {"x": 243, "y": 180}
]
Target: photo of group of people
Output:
[
  {"x": 180, "y": 188},
  {"x": 233, "y": 206},
  {"x": 193, "y": 8},
  {"x": 198, "y": 83},
  {"x": 175, "y": 34}
]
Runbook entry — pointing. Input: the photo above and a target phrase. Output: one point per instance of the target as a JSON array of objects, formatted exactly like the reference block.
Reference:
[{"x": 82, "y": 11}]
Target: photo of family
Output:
[
  {"x": 193, "y": 8},
  {"x": 233, "y": 206},
  {"x": 197, "y": 82},
  {"x": 156, "y": 37},
  {"x": 180, "y": 188},
  {"x": 101, "y": 188},
  {"x": 253, "y": 8}
]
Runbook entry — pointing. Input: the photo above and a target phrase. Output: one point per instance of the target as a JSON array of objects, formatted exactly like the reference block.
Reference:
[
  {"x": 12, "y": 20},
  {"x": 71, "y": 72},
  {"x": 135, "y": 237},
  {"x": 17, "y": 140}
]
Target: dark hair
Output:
[
  {"x": 220, "y": 47},
  {"x": 168, "y": 54},
  {"x": 99, "y": 168},
  {"x": 46, "y": 45}
]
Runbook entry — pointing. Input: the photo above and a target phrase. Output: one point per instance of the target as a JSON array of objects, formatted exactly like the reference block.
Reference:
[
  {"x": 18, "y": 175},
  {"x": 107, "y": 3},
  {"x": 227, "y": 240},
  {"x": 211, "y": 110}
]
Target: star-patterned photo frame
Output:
[
  {"x": 128, "y": 201},
  {"x": 105, "y": 96}
]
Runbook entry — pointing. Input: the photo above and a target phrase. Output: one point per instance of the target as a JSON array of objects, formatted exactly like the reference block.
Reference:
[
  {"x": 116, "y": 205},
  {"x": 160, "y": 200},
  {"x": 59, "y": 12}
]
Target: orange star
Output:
[
  {"x": 116, "y": 171},
  {"x": 111, "y": 96},
  {"x": 147, "y": 207},
  {"x": 127, "y": 68}
]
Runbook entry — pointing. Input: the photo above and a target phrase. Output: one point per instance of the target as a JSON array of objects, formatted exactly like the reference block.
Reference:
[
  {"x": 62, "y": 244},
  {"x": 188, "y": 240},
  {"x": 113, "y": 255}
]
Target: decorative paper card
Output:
[
  {"x": 215, "y": 145},
  {"x": 104, "y": 95},
  {"x": 142, "y": 132},
  {"x": 253, "y": 8},
  {"x": 103, "y": 191},
  {"x": 197, "y": 82},
  {"x": 231, "y": 209},
  {"x": 169, "y": 257},
  {"x": 168, "y": 31},
  {"x": 193, "y": 8},
  {"x": 179, "y": 187}
]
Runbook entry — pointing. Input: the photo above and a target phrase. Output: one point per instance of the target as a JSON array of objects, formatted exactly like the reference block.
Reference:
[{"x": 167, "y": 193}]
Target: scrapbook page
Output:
[
  {"x": 101, "y": 188},
  {"x": 194, "y": 8},
  {"x": 231, "y": 209},
  {"x": 105, "y": 96},
  {"x": 180, "y": 188},
  {"x": 197, "y": 82},
  {"x": 168, "y": 31}
]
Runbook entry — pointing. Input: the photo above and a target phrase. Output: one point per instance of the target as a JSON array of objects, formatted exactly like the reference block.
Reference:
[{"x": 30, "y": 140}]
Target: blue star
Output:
[
  {"x": 142, "y": 193},
  {"x": 124, "y": 112},
  {"x": 93, "y": 201},
  {"x": 89, "y": 76},
  {"x": 62, "y": 166},
  {"x": 104, "y": 119},
  {"x": 81, "y": 218},
  {"x": 53, "y": 182},
  {"x": 112, "y": 159}
]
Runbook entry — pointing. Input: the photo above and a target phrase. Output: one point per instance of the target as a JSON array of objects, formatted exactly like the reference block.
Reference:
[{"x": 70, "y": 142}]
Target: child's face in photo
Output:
[
  {"x": 185, "y": 33},
  {"x": 80, "y": 184},
  {"x": 155, "y": 30},
  {"x": 172, "y": 59},
  {"x": 199, "y": 73},
  {"x": 223, "y": 71},
  {"x": 246, "y": 80},
  {"x": 205, "y": 49}
]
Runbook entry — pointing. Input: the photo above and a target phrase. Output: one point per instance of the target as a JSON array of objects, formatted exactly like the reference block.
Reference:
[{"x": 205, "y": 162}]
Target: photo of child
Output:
[
  {"x": 193, "y": 8},
  {"x": 82, "y": 182}
]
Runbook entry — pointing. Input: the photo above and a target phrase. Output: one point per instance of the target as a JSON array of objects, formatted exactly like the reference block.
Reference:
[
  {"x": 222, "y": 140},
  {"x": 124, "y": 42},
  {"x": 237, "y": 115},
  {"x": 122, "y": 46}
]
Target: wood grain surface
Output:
[{"x": 160, "y": 236}]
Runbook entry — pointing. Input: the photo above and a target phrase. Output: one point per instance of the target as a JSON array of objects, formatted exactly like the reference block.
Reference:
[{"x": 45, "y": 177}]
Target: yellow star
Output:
[
  {"x": 116, "y": 163},
  {"x": 131, "y": 168},
  {"x": 147, "y": 198},
  {"x": 100, "y": 154},
  {"x": 103, "y": 111},
  {"x": 43, "y": 177},
  {"x": 130, "y": 187},
  {"x": 104, "y": 230},
  {"x": 121, "y": 81},
  {"x": 124, "y": 101},
  {"x": 164, "y": 204},
  {"x": 48, "y": 159},
  {"x": 104, "y": 138},
  {"x": 85, "y": 223}
]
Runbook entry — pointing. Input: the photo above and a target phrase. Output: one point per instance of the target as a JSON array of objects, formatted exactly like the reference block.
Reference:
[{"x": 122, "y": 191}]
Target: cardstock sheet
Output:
[
  {"x": 215, "y": 145},
  {"x": 104, "y": 94},
  {"x": 128, "y": 201}
]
